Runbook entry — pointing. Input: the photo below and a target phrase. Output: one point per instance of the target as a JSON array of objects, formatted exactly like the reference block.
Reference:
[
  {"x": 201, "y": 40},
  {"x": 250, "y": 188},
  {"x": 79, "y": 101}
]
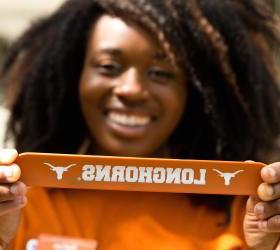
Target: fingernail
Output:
[
  {"x": 14, "y": 190},
  {"x": 7, "y": 155},
  {"x": 259, "y": 209},
  {"x": 9, "y": 172},
  {"x": 20, "y": 200},
  {"x": 270, "y": 172},
  {"x": 263, "y": 225},
  {"x": 269, "y": 191}
]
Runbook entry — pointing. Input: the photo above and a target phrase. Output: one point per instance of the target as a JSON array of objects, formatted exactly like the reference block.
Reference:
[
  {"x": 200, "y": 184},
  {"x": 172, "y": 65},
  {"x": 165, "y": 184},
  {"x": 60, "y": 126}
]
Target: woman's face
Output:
[{"x": 131, "y": 97}]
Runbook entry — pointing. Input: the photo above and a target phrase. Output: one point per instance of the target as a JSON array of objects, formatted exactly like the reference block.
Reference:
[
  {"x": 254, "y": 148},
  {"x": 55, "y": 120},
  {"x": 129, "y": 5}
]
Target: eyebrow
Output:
[
  {"x": 112, "y": 51},
  {"x": 158, "y": 56}
]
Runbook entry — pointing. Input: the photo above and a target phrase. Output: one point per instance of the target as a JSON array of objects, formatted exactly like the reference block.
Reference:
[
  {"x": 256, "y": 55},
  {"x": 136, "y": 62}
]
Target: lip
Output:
[{"x": 128, "y": 131}]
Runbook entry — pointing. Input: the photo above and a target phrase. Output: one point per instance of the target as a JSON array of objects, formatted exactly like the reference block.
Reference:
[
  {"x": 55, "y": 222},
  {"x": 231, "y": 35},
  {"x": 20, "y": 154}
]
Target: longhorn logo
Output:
[
  {"x": 227, "y": 176},
  {"x": 59, "y": 170}
]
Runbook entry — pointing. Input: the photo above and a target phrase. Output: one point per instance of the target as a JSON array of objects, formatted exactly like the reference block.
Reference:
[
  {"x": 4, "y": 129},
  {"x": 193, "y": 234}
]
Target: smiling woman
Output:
[
  {"x": 131, "y": 100},
  {"x": 170, "y": 79}
]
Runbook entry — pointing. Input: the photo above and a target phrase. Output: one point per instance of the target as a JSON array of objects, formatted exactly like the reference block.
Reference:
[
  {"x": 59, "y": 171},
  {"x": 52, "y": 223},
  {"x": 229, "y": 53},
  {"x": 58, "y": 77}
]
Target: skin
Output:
[
  {"x": 12, "y": 196},
  {"x": 262, "y": 220},
  {"x": 137, "y": 84},
  {"x": 137, "y": 94}
]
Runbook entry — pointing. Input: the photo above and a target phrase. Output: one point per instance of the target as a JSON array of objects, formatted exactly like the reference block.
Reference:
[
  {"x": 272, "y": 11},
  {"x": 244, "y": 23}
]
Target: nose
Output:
[{"x": 131, "y": 86}]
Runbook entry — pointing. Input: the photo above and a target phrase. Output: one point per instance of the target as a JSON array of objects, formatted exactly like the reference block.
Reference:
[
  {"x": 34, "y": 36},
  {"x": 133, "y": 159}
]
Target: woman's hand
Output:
[
  {"x": 12, "y": 195},
  {"x": 262, "y": 219}
]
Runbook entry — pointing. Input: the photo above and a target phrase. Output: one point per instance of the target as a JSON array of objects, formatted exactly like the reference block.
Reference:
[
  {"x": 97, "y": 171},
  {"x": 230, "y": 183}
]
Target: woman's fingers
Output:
[
  {"x": 8, "y": 156},
  {"x": 271, "y": 173},
  {"x": 271, "y": 225},
  {"x": 266, "y": 210},
  {"x": 9, "y": 173},
  {"x": 12, "y": 197},
  {"x": 11, "y": 192},
  {"x": 18, "y": 189},
  {"x": 10, "y": 206},
  {"x": 269, "y": 192},
  {"x": 270, "y": 189}
]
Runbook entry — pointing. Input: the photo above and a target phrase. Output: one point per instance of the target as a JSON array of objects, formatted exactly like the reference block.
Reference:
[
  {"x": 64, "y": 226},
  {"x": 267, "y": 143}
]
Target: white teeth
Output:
[{"x": 129, "y": 120}]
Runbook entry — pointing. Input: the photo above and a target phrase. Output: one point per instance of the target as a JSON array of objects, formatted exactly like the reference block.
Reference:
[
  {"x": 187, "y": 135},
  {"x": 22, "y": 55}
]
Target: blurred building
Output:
[{"x": 16, "y": 15}]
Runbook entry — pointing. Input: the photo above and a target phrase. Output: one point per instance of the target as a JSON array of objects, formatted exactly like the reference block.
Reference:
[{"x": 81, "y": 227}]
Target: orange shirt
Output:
[{"x": 130, "y": 220}]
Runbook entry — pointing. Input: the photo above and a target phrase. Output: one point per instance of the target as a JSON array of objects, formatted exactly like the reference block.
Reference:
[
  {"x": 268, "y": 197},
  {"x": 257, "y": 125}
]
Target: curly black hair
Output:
[{"x": 225, "y": 48}]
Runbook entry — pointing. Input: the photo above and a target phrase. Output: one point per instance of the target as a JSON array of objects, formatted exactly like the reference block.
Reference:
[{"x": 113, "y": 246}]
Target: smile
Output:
[{"x": 130, "y": 120}]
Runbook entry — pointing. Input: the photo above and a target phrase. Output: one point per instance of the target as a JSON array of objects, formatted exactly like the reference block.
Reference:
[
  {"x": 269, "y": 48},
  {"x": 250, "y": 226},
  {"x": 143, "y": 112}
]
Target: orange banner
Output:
[{"x": 140, "y": 174}]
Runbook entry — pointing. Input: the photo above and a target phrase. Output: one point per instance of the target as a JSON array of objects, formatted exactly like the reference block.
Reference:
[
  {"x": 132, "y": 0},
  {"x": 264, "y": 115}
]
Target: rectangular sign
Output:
[{"x": 140, "y": 174}]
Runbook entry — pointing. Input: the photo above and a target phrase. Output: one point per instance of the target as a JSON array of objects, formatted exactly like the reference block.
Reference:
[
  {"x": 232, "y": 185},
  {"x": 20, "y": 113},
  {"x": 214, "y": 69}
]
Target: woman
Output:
[{"x": 184, "y": 79}]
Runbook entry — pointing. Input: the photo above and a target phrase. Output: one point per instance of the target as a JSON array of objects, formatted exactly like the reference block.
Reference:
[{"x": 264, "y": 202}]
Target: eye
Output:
[
  {"x": 108, "y": 69},
  {"x": 160, "y": 74}
]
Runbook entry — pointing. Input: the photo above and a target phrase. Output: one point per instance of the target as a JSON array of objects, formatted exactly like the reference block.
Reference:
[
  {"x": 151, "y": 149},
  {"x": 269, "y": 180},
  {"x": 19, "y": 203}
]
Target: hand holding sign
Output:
[
  {"x": 12, "y": 196},
  {"x": 262, "y": 220}
]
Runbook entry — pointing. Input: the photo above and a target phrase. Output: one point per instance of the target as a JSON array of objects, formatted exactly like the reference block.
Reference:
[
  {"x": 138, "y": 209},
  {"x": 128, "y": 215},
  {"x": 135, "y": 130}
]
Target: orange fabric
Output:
[{"x": 129, "y": 220}]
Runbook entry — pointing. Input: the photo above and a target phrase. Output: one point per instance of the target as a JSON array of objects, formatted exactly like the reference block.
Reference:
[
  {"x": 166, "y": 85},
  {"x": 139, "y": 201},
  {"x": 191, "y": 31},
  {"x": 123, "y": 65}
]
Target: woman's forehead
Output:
[{"x": 111, "y": 34}]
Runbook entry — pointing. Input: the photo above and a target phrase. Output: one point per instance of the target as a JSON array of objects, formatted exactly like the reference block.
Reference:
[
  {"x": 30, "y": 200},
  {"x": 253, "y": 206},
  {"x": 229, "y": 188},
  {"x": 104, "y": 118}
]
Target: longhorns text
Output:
[{"x": 143, "y": 174}]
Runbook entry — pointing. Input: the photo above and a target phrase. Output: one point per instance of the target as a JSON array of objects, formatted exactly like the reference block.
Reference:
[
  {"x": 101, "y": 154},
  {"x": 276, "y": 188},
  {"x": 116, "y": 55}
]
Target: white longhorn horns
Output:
[
  {"x": 59, "y": 170},
  {"x": 227, "y": 176}
]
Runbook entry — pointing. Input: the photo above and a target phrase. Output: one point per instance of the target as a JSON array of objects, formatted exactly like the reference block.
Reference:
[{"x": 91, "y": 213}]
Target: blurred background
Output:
[{"x": 16, "y": 15}]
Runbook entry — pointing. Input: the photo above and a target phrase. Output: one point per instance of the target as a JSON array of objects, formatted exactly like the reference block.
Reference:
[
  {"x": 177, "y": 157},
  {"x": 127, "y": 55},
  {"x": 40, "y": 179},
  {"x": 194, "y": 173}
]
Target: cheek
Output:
[
  {"x": 91, "y": 94},
  {"x": 91, "y": 89},
  {"x": 174, "y": 103}
]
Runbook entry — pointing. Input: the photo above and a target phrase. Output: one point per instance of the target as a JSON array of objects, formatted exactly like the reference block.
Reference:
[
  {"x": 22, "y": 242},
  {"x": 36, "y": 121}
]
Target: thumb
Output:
[{"x": 251, "y": 203}]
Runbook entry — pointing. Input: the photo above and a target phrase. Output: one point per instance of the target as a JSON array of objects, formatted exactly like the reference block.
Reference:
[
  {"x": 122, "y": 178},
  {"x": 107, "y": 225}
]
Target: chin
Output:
[{"x": 131, "y": 150}]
